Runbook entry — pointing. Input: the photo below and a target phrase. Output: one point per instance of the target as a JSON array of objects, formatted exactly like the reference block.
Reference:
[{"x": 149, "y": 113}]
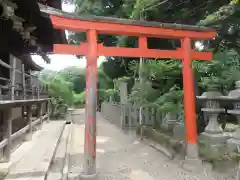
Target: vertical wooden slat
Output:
[
  {"x": 154, "y": 122},
  {"x": 13, "y": 77},
  {"x": 7, "y": 134},
  {"x": 38, "y": 91},
  {"x": 129, "y": 115},
  {"x": 123, "y": 116},
  {"x": 40, "y": 113},
  {"x": 48, "y": 110},
  {"x": 31, "y": 83},
  {"x": 23, "y": 82},
  {"x": 1, "y": 96}
]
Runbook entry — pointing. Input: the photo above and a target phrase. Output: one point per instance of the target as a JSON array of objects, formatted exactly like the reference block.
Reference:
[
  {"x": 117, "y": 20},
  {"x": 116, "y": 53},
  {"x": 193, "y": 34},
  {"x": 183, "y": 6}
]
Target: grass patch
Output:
[{"x": 164, "y": 138}]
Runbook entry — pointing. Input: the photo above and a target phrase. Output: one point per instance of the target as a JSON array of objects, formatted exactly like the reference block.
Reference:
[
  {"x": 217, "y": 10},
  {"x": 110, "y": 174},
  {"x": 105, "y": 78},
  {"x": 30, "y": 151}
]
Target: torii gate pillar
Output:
[
  {"x": 189, "y": 106},
  {"x": 89, "y": 166}
]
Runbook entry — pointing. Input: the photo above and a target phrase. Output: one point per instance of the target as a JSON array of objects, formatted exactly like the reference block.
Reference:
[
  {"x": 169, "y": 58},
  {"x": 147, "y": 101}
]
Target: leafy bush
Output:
[{"x": 79, "y": 98}]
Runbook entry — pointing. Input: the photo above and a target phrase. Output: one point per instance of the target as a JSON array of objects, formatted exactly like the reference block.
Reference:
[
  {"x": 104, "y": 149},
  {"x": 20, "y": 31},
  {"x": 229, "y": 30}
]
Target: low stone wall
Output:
[
  {"x": 127, "y": 116},
  {"x": 112, "y": 112}
]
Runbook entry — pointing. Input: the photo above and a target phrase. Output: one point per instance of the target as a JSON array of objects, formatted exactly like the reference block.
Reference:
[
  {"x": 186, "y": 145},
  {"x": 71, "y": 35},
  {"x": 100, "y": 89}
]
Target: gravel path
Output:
[{"x": 121, "y": 156}]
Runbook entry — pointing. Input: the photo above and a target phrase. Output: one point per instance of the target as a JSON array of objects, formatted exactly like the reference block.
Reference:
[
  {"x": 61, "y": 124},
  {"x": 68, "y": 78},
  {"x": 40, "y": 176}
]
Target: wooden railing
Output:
[
  {"x": 9, "y": 136},
  {"x": 26, "y": 89},
  {"x": 22, "y": 94}
]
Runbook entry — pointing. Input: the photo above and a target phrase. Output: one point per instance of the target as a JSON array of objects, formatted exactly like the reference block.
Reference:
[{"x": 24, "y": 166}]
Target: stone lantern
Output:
[
  {"x": 213, "y": 132},
  {"x": 234, "y": 95}
]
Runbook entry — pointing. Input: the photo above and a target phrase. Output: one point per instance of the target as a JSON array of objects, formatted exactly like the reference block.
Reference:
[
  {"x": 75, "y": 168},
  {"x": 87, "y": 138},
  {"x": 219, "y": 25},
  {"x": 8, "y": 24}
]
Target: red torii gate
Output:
[{"x": 93, "y": 26}]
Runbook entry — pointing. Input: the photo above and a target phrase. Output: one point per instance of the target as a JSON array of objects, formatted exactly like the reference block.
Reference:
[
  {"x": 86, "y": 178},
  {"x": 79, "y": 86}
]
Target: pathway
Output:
[
  {"x": 33, "y": 158},
  {"x": 121, "y": 156}
]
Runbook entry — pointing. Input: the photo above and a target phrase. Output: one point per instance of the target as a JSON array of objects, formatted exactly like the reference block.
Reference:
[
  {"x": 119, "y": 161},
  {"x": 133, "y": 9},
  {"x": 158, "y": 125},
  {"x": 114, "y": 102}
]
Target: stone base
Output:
[
  {"x": 88, "y": 177},
  {"x": 192, "y": 151},
  {"x": 192, "y": 161},
  {"x": 232, "y": 144},
  {"x": 193, "y": 165},
  {"x": 214, "y": 139}
]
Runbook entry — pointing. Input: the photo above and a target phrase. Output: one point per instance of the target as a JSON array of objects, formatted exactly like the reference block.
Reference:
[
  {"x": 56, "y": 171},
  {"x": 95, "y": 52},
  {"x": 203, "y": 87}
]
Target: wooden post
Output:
[
  {"x": 13, "y": 77},
  {"x": 7, "y": 134},
  {"x": 129, "y": 116},
  {"x": 29, "y": 119},
  {"x": 189, "y": 101},
  {"x": 31, "y": 84},
  {"x": 23, "y": 82},
  {"x": 1, "y": 96},
  {"x": 40, "y": 114},
  {"x": 122, "y": 116},
  {"x": 89, "y": 167}
]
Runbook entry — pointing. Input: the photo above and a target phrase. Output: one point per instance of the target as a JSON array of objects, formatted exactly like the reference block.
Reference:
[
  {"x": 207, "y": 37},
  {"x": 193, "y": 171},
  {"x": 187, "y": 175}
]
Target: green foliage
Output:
[
  {"x": 226, "y": 21},
  {"x": 69, "y": 84},
  {"x": 58, "y": 87},
  {"x": 168, "y": 96},
  {"x": 163, "y": 138},
  {"x": 216, "y": 155},
  {"x": 76, "y": 76},
  {"x": 220, "y": 73},
  {"x": 106, "y": 94},
  {"x": 79, "y": 98}
]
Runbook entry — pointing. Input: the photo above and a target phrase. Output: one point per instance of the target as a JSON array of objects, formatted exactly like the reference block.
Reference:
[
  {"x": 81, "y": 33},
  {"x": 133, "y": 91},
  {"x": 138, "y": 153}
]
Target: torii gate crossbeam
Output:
[{"x": 94, "y": 26}]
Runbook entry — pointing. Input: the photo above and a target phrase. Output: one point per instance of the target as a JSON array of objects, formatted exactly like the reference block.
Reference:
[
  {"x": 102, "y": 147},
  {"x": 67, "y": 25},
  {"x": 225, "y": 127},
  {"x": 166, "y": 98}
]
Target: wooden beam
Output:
[
  {"x": 129, "y": 52},
  {"x": 23, "y": 82},
  {"x": 56, "y": 12},
  {"x": 79, "y": 25}
]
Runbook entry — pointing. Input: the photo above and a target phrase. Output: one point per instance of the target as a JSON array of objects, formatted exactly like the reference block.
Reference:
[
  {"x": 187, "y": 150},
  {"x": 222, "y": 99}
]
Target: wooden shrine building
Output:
[{"x": 24, "y": 31}]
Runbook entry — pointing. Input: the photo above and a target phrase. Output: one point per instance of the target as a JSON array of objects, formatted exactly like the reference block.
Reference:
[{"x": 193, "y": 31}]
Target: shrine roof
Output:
[{"x": 56, "y": 12}]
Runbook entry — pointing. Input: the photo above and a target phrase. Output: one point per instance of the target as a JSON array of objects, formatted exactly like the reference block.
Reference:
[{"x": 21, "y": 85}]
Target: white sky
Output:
[{"x": 58, "y": 61}]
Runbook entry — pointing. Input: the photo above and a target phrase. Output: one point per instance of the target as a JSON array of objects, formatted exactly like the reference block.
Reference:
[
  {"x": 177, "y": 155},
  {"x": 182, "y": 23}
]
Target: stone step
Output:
[
  {"x": 35, "y": 164},
  {"x": 56, "y": 169}
]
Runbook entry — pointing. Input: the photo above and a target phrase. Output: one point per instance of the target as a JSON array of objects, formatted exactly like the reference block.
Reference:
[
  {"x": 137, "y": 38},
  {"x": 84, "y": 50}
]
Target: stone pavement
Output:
[
  {"x": 36, "y": 158},
  {"x": 121, "y": 156}
]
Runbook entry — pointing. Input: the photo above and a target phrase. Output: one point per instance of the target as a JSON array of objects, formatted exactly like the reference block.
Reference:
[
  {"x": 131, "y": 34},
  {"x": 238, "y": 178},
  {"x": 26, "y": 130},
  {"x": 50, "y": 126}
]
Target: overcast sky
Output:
[{"x": 58, "y": 61}]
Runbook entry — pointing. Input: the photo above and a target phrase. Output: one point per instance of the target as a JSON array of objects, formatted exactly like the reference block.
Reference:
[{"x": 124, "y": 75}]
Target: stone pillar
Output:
[
  {"x": 110, "y": 99},
  {"x": 123, "y": 92},
  {"x": 129, "y": 116},
  {"x": 179, "y": 127},
  {"x": 48, "y": 110},
  {"x": 213, "y": 132},
  {"x": 234, "y": 142},
  {"x": 169, "y": 120},
  {"x": 134, "y": 115},
  {"x": 146, "y": 116}
]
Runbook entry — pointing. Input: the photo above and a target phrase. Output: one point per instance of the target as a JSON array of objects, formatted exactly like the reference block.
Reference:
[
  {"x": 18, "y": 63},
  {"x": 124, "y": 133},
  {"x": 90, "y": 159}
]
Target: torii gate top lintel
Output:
[
  {"x": 118, "y": 26},
  {"x": 93, "y": 26}
]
